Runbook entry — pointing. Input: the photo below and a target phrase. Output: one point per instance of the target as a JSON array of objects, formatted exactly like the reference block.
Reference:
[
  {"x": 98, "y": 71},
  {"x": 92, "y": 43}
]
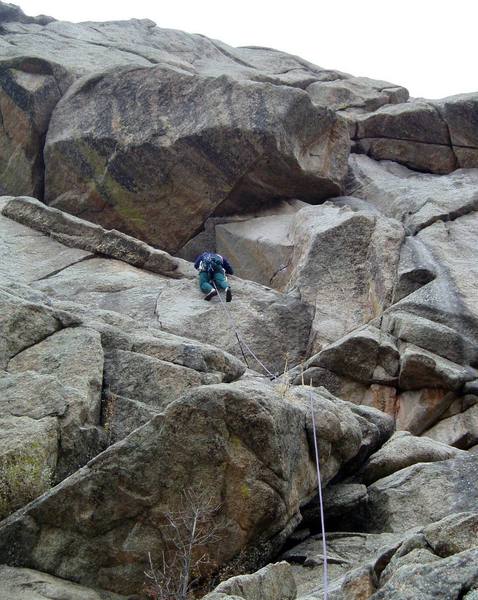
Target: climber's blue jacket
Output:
[{"x": 209, "y": 262}]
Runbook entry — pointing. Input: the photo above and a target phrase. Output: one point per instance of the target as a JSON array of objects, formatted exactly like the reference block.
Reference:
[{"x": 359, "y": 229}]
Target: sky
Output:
[{"x": 429, "y": 46}]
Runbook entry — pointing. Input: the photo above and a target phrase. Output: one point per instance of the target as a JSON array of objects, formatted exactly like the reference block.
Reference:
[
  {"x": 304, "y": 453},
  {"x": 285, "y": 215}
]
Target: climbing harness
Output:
[
  {"x": 321, "y": 502},
  {"x": 240, "y": 339}
]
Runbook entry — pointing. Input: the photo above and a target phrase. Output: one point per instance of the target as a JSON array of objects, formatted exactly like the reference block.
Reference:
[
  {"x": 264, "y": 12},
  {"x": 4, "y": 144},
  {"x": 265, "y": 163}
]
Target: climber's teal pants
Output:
[{"x": 205, "y": 280}]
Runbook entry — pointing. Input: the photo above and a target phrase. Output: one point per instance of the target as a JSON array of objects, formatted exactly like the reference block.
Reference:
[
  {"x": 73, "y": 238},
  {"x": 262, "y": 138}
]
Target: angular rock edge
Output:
[{"x": 78, "y": 233}]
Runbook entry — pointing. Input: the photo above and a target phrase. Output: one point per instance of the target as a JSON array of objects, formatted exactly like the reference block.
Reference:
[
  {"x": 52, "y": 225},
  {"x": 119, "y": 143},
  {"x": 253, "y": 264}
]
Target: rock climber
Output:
[{"x": 212, "y": 269}]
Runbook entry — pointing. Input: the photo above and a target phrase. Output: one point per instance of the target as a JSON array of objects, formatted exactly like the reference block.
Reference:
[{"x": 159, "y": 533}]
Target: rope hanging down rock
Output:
[
  {"x": 231, "y": 321},
  {"x": 321, "y": 502},
  {"x": 242, "y": 345},
  {"x": 240, "y": 339}
]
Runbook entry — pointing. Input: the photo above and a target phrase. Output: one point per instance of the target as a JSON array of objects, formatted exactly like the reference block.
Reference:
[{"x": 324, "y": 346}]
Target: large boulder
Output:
[
  {"x": 422, "y": 369},
  {"x": 416, "y": 199},
  {"x": 434, "y": 136},
  {"x": 367, "y": 355},
  {"x": 361, "y": 367},
  {"x": 428, "y": 334},
  {"x": 460, "y": 430},
  {"x": 148, "y": 166},
  {"x": 185, "y": 352},
  {"x": 149, "y": 380},
  {"x": 433, "y": 579},
  {"x": 273, "y": 582},
  {"x": 244, "y": 445},
  {"x": 26, "y": 584},
  {"x": 71, "y": 361},
  {"x": 29, "y": 90},
  {"x": 422, "y": 494},
  {"x": 86, "y": 238},
  {"x": 356, "y": 94},
  {"x": 344, "y": 264},
  {"x": 275, "y": 107},
  {"x": 340, "y": 257},
  {"x": 412, "y": 133},
  {"x": 435, "y": 561},
  {"x": 403, "y": 450}
]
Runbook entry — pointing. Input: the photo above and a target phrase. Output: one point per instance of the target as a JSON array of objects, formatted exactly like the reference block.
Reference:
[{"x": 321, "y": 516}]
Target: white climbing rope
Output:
[
  {"x": 321, "y": 503},
  {"x": 231, "y": 321},
  {"x": 242, "y": 342}
]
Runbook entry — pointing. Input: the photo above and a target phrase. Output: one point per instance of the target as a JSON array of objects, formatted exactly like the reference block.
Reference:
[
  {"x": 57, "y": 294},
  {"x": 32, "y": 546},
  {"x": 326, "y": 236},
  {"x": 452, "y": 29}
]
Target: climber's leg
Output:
[
  {"x": 204, "y": 283},
  {"x": 220, "y": 280}
]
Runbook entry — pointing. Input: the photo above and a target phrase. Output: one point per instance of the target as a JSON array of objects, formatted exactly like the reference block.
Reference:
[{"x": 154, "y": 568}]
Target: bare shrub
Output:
[
  {"x": 284, "y": 383},
  {"x": 189, "y": 533}
]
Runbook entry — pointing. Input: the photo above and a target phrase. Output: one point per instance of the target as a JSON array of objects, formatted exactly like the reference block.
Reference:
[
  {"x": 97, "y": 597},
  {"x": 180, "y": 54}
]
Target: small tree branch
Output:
[{"x": 189, "y": 532}]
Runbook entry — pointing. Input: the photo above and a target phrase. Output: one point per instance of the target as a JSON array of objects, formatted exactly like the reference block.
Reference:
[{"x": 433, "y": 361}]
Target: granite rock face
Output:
[
  {"x": 155, "y": 170},
  {"x": 93, "y": 239},
  {"x": 422, "y": 562},
  {"x": 93, "y": 355},
  {"x": 242, "y": 444},
  {"x": 280, "y": 133},
  {"x": 29, "y": 90},
  {"x": 164, "y": 299},
  {"x": 401, "y": 451},
  {"x": 432, "y": 490},
  {"x": 26, "y": 584},
  {"x": 340, "y": 258},
  {"x": 73, "y": 357},
  {"x": 441, "y": 579},
  {"x": 274, "y": 582},
  {"x": 354, "y": 319},
  {"x": 432, "y": 317},
  {"x": 431, "y": 136},
  {"x": 416, "y": 199},
  {"x": 64, "y": 371}
]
